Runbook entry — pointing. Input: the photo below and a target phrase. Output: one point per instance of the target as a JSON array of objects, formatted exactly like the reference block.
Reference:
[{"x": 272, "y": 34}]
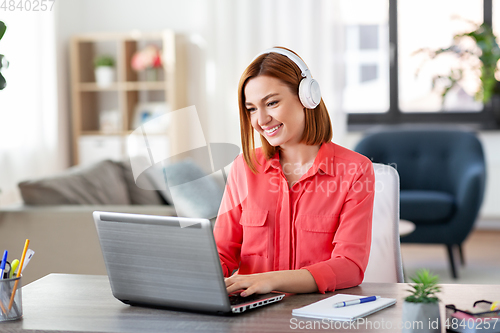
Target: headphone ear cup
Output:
[{"x": 309, "y": 93}]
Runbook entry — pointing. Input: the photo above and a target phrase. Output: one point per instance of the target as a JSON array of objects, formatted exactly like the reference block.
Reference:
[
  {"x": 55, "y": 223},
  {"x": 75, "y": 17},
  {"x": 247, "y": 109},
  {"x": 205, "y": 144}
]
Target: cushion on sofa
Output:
[
  {"x": 98, "y": 184},
  {"x": 426, "y": 206},
  {"x": 139, "y": 195},
  {"x": 192, "y": 192}
]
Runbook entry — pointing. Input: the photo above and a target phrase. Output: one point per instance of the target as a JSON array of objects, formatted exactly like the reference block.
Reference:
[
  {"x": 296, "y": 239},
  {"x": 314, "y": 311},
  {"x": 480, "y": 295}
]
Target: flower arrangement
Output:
[
  {"x": 425, "y": 288},
  {"x": 149, "y": 57}
]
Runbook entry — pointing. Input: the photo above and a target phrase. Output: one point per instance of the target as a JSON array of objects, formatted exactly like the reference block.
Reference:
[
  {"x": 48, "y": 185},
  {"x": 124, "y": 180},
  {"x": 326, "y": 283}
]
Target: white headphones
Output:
[{"x": 309, "y": 92}]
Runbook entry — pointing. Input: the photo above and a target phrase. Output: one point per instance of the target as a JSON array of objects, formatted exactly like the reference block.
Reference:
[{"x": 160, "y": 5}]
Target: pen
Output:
[
  {"x": 4, "y": 261},
  {"x": 2, "y": 269},
  {"x": 356, "y": 301}
]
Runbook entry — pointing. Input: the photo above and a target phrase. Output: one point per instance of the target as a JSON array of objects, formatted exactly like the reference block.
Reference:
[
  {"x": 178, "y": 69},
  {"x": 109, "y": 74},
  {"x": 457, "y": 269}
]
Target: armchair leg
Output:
[
  {"x": 462, "y": 260},
  {"x": 452, "y": 261}
]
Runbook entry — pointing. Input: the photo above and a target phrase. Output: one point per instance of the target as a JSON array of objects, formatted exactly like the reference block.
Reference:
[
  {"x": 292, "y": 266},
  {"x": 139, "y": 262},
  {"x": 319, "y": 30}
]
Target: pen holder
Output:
[{"x": 11, "y": 305}]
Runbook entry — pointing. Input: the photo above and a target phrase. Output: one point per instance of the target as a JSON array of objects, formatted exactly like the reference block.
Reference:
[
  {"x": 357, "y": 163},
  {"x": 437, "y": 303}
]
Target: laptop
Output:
[{"x": 168, "y": 262}]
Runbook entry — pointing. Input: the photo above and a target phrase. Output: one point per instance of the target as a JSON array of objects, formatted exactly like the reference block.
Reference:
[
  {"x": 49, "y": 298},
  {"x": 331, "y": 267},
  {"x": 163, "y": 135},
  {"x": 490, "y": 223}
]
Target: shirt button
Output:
[{"x": 321, "y": 172}]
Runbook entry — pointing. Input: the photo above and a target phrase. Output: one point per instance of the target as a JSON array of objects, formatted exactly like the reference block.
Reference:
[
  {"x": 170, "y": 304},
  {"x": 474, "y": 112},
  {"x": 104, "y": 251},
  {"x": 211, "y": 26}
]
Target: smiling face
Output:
[{"x": 275, "y": 111}]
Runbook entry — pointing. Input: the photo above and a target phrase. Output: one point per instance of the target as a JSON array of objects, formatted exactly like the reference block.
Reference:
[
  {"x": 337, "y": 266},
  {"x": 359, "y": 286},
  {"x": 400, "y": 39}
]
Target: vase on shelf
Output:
[
  {"x": 104, "y": 76},
  {"x": 152, "y": 74}
]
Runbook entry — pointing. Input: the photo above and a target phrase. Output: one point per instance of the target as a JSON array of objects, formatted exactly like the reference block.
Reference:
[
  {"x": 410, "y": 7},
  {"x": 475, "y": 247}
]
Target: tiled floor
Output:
[{"x": 482, "y": 259}]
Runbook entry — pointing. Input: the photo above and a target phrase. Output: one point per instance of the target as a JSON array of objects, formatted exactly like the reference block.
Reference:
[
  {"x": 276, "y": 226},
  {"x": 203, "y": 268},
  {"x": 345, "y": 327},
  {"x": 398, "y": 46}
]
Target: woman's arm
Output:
[
  {"x": 291, "y": 281},
  {"x": 352, "y": 240}
]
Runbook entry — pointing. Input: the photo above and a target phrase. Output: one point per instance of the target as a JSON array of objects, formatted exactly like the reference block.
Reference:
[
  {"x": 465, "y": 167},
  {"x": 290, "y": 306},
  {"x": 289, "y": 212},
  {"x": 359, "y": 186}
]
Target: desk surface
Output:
[{"x": 84, "y": 303}]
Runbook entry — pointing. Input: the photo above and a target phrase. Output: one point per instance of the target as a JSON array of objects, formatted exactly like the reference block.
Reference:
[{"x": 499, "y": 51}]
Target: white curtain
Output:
[
  {"x": 29, "y": 142},
  {"x": 243, "y": 28}
]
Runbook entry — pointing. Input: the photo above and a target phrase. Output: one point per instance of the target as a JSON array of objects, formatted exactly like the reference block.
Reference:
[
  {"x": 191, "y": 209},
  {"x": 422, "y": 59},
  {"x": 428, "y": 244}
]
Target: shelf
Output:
[
  {"x": 124, "y": 133},
  {"x": 92, "y": 86},
  {"x": 95, "y": 108},
  {"x": 129, "y": 86},
  {"x": 164, "y": 133},
  {"x": 92, "y": 133},
  {"x": 131, "y": 36},
  {"x": 144, "y": 85}
]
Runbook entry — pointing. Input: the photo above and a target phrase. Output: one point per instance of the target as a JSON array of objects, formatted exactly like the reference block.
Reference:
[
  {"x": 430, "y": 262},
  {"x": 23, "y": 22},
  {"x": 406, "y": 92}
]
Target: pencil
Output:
[
  {"x": 3, "y": 309},
  {"x": 19, "y": 273}
]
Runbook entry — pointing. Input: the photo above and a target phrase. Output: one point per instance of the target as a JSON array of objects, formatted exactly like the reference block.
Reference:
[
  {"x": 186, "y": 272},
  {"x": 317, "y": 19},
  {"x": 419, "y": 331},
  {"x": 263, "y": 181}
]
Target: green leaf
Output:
[
  {"x": 3, "y": 83},
  {"x": 424, "y": 288},
  {"x": 3, "y": 27},
  {"x": 104, "y": 60},
  {"x": 486, "y": 51}
]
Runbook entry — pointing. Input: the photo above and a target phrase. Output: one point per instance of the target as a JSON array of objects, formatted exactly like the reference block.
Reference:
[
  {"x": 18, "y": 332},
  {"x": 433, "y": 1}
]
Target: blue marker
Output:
[
  {"x": 356, "y": 301},
  {"x": 4, "y": 261}
]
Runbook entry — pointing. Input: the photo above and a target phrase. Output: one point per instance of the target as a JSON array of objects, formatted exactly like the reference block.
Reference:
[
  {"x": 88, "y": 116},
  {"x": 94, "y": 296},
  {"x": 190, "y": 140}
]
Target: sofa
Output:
[{"x": 57, "y": 212}]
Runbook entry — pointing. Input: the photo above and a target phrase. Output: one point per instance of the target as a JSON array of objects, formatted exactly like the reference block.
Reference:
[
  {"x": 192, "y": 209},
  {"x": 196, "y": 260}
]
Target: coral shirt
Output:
[{"x": 322, "y": 223}]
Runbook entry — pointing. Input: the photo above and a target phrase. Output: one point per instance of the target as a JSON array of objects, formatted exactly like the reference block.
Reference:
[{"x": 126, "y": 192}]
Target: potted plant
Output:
[
  {"x": 148, "y": 59},
  {"x": 421, "y": 308},
  {"x": 3, "y": 61},
  {"x": 104, "y": 70},
  {"x": 481, "y": 56}
]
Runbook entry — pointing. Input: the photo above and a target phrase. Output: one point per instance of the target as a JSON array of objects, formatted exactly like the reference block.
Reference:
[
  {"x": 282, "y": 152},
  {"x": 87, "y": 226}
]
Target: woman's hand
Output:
[
  {"x": 293, "y": 281},
  {"x": 260, "y": 283}
]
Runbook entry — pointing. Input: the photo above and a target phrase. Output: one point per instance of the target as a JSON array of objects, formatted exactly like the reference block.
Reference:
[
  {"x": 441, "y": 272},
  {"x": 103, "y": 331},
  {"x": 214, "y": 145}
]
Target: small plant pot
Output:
[
  {"x": 104, "y": 76},
  {"x": 152, "y": 74},
  {"x": 421, "y": 317}
]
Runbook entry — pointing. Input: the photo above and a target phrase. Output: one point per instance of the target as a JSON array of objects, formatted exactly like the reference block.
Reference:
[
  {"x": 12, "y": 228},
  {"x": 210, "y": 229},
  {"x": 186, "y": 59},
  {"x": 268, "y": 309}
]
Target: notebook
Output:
[
  {"x": 170, "y": 262},
  {"x": 324, "y": 309}
]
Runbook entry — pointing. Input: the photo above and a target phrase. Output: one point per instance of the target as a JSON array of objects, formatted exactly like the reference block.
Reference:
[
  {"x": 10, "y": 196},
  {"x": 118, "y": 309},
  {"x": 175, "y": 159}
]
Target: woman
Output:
[{"x": 296, "y": 214}]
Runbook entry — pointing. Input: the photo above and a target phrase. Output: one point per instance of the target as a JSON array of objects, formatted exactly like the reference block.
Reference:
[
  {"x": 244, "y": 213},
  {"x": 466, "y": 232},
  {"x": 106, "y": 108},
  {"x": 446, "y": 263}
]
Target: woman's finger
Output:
[
  {"x": 249, "y": 291},
  {"x": 233, "y": 288}
]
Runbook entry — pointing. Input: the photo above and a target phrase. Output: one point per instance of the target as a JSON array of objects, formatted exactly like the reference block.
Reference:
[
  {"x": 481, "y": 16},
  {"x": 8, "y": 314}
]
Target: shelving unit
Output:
[{"x": 130, "y": 89}]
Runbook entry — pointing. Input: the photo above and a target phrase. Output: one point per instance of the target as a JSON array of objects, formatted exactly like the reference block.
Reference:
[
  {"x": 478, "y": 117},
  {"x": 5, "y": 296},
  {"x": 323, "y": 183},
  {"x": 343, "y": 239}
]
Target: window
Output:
[
  {"x": 366, "y": 55},
  {"x": 382, "y": 62}
]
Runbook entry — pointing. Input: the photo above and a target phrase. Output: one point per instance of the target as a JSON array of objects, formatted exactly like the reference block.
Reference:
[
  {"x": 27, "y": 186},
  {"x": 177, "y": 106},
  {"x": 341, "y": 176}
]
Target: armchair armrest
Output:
[{"x": 469, "y": 196}]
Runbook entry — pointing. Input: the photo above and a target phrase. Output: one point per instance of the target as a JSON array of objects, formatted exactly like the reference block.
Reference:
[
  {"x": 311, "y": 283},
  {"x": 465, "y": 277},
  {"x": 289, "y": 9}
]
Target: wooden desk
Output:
[{"x": 84, "y": 303}]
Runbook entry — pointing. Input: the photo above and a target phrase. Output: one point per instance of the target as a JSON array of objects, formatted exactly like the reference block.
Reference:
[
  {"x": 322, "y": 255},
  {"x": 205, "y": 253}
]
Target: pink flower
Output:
[{"x": 149, "y": 57}]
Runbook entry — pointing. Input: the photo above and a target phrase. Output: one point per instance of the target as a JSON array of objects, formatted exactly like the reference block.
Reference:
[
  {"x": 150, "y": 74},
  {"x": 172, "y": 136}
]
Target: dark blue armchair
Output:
[{"x": 442, "y": 175}]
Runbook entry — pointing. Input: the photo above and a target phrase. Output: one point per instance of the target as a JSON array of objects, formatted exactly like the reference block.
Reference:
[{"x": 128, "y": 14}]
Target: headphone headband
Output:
[
  {"x": 309, "y": 92},
  {"x": 290, "y": 55}
]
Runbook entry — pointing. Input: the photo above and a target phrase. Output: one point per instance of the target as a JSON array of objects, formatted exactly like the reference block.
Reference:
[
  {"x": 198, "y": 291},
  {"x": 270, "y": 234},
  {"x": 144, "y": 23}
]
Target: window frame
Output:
[{"x": 483, "y": 119}]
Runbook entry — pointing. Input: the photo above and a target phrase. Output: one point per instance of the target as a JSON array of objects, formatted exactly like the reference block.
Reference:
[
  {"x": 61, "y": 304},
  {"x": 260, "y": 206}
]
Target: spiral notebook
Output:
[{"x": 324, "y": 309}]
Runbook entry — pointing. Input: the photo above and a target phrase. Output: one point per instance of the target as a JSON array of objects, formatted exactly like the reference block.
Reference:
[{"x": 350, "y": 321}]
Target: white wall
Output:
[{"x": 232, "y": 33}]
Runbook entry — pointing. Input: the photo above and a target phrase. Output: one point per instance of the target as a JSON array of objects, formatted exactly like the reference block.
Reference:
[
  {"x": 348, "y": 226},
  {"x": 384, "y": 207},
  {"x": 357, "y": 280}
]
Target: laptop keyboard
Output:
[{"x": 237, "y": 299}]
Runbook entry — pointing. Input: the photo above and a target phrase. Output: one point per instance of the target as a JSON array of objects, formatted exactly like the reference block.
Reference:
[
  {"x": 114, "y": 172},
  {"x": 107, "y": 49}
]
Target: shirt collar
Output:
[
  {"x": 273, "y": 162},
  {"x": 324, "y": 161}
]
